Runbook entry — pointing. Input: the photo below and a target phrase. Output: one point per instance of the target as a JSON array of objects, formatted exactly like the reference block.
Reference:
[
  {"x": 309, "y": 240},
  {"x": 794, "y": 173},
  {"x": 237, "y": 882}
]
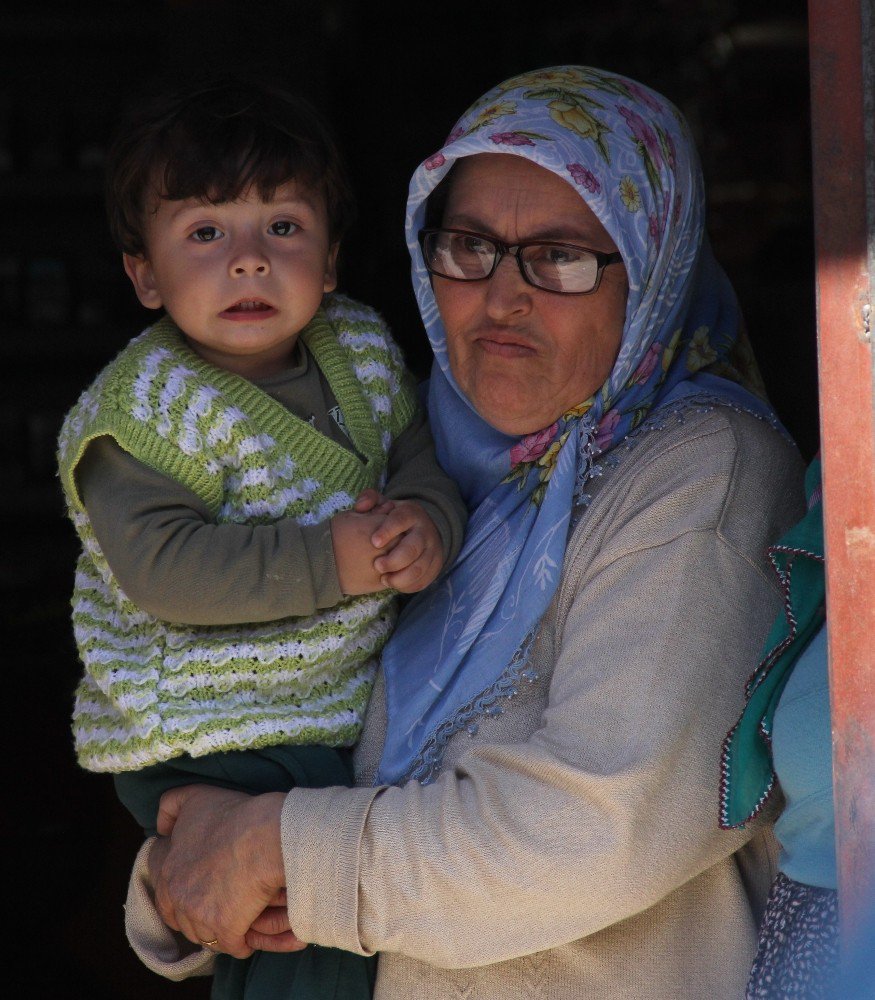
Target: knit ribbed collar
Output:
[{"x": 285, "y": 427}]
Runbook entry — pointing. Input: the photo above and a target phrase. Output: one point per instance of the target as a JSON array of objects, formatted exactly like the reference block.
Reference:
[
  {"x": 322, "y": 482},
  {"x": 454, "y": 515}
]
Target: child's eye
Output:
[
  {"x": 206, "y": 234},
  {"x": 282, "y": 228}
]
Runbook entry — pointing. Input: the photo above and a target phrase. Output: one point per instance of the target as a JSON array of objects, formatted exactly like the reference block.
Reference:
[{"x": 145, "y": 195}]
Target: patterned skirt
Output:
[{"x": 798, "y": 948}]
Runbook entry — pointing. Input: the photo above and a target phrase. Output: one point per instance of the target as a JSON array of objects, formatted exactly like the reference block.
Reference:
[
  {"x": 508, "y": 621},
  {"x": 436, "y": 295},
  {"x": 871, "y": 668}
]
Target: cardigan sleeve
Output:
[
  {"x": 608, "y": 805},
  {"x": 161, "y": 949}
]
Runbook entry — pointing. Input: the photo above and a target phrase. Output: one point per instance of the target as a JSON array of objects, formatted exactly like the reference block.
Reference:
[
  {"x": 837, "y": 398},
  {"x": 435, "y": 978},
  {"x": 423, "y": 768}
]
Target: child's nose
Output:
[{"x": 249, "y": 259}]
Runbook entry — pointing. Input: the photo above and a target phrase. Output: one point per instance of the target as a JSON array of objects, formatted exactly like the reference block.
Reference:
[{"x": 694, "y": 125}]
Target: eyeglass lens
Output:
[{"x": 469, "y": 257}]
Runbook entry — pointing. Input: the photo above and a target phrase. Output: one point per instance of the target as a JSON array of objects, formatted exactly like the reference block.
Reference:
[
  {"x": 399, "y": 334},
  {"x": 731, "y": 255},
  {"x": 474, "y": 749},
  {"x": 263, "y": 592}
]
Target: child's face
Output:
[{"x": 240, "y": 279}]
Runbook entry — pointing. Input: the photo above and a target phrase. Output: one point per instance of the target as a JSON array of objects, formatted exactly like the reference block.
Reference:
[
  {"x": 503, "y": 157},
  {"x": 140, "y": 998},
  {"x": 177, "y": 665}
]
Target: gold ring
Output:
[{"x": 209, "y": 944}]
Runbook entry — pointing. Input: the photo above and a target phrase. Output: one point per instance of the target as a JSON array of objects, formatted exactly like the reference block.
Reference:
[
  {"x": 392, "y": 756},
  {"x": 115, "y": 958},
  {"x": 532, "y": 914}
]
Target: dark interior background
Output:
[{"x": 392, "y": 77}]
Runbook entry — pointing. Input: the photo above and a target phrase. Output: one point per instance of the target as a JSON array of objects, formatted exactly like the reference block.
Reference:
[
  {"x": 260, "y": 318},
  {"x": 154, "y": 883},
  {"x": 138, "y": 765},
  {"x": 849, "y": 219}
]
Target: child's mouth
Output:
[{"x": 249, "y": 306}]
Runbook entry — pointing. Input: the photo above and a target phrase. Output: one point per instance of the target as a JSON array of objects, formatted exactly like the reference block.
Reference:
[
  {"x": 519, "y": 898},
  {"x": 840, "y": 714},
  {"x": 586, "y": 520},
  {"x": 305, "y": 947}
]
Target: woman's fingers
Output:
[
  {"x": 274, "y": 942},
  {"x": 270, "y": 931},
  {"x": 169, "y": 808},
  {"x": 280, "y": 899},
  {"x": 223, "y": 865},
  {"x": 272, "y": 920}
]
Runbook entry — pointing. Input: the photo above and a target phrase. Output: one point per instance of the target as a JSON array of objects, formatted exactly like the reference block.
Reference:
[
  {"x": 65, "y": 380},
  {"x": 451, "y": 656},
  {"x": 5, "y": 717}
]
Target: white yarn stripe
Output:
[
  {"x": 173, "y": 388},
  {"x": 142, "y": 409},
  {"x": 268, "y": 653},
  {"x": 222, "y": 429},
  {"x": 93, "y": 633},
  {"x": 328, "y": 508},
  {"x": 360, "y": 342}
]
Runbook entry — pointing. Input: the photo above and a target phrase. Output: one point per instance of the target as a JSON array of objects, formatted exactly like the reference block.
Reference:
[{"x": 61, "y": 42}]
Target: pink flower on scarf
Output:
[
  {"x": 457, "y": 133},
  {"x": 644, "y": 134},
  {"x": 586, "y": 178},
  {"x": 655, "y": 229},
  {"x": 657, "y": 224},
  {"x": 643, "y": 96},
  {"x": 648, "y": 365},
  {"x": 511, "y": 139},
  {"x": 606, "y": 429},
  {"x": 433, "y": 162},
  {"x": 532, "y": 446},
  {"x": 671, "y": 154}
]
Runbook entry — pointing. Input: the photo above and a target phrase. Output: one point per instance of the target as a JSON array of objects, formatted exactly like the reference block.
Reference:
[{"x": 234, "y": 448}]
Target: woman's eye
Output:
[
  {"x": 206, "y": 234},
  {"x": 282, "y": 228},
  {"x": 474, "y": 245},
  {"x": 560, "y": 255}
]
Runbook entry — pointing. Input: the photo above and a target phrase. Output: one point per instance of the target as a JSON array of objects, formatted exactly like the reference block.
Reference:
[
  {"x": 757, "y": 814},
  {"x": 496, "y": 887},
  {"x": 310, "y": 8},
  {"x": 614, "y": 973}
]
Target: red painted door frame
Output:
[{"x": 839, "y": 78}]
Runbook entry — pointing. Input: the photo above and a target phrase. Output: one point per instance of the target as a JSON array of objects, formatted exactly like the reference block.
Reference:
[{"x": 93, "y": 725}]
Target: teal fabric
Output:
[
  {"x": 747, "y": 771},
  {"x": 315, "y": 973},
  {"x": 802, "y": 755}
]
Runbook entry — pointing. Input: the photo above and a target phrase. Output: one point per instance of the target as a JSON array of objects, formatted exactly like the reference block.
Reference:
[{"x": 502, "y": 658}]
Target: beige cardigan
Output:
[{"x": 570, "y": 849}]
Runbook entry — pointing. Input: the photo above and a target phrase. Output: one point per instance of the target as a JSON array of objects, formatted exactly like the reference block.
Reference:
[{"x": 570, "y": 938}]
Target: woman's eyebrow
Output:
[{"x": 558, "y": 232}]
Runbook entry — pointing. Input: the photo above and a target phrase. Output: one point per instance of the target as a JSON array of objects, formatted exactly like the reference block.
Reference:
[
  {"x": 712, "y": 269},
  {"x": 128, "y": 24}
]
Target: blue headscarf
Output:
[{"x": 461, "y": 645}]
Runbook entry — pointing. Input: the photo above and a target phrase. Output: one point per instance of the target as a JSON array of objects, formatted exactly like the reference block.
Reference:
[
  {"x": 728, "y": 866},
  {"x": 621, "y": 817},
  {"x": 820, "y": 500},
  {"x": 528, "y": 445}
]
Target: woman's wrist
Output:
[{"x": 264, "y": 839}]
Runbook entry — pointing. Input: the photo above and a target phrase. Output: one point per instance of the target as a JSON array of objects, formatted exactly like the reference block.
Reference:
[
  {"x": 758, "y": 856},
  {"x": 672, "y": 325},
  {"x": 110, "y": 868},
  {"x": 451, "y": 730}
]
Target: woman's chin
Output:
[{"x": 513, "y": 419}]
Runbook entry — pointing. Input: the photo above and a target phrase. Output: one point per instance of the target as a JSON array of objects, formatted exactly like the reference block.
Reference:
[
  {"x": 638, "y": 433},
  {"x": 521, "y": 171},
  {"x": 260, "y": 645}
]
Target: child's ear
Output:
[
  {"x": 139, "y": 270},
  {"x": 331, "y": 268}
]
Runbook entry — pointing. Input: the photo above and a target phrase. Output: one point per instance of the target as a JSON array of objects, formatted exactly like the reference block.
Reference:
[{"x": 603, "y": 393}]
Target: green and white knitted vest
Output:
[{"x": 153, "y": 690}]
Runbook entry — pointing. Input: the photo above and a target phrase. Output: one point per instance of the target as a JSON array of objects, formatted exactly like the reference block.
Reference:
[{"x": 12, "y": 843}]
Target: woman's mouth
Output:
[{"x": 503, "y": 346}]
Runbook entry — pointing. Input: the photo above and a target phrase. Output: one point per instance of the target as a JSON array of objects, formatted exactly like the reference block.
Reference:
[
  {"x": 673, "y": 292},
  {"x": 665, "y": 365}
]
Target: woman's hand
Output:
[
  {"x": 221, "y": 871},
  {"x": 270, "y": 931}
]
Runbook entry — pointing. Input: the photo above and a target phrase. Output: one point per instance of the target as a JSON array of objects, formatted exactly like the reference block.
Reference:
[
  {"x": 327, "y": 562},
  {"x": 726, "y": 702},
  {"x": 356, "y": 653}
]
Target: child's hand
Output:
[
  {"x": 355, "y": 552},
  {"x": 414, "y": 553},
  {"x": 372, "y": 501}
]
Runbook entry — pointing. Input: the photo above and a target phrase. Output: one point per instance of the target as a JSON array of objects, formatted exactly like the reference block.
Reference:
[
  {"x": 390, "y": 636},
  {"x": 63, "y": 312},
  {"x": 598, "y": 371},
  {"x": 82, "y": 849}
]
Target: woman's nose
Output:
[{"x": 507, "y": 293}]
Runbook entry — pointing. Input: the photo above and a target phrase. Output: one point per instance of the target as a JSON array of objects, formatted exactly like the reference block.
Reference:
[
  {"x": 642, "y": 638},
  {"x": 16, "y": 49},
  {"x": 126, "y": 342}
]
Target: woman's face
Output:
[{"x": 524, "y": 356}]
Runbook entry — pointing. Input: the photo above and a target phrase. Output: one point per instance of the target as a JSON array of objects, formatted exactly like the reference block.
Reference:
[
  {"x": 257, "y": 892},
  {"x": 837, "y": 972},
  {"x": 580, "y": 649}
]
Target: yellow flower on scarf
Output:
[
  {"x": 546, "y": 78},
  {"x": 572, "y": 116},
  {"x": 491, "y": 113},
  {"x": 580, "y": 409},
  {"x": 701, "y": 353},
  {"x": 630, "y": 194},
  {"x": 548, "y": 460},
  {"x": 669, "y": 352}
]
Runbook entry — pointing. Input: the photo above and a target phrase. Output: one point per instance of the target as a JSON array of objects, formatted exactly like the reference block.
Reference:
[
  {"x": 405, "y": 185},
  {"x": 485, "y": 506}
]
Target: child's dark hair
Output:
[{"x": 215, "y": 139}]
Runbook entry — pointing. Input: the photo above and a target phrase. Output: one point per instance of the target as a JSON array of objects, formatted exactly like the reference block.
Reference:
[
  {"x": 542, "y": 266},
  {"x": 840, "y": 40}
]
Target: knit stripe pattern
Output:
[{"x": 153, "y": 690}]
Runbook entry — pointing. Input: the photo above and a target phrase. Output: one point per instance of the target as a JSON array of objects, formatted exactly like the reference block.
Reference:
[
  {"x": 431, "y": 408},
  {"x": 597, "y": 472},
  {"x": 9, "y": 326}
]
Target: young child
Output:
[{"x": 233, "y": 594}]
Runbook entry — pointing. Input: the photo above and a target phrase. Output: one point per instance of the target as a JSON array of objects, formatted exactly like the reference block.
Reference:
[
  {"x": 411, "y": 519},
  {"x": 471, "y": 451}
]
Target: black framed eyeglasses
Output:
[{"x": 461, "y": 255}]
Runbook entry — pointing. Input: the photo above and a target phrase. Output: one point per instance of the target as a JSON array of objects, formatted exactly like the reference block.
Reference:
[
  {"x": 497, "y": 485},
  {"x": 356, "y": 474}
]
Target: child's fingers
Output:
[
  {"x": 415, "y": 577},
  {"x": 367, "y": 500},
  {"x": 407, "y": 550},
  {"x": 397, "y": 521}
]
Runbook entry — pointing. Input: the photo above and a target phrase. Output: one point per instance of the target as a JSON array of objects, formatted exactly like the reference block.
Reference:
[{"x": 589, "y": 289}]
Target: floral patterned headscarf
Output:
[{"x": 461, "y": 646}]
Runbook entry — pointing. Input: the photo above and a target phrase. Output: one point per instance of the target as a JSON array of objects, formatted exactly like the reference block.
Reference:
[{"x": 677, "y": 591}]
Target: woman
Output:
[{"x": 536, "y": 813}]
